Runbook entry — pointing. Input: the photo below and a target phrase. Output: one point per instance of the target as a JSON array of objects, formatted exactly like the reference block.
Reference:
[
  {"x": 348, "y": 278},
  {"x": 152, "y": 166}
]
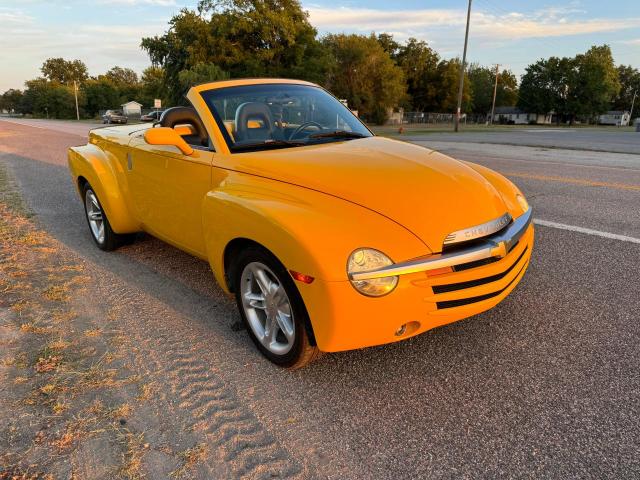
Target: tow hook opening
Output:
[{"x": 407, "y": 329}]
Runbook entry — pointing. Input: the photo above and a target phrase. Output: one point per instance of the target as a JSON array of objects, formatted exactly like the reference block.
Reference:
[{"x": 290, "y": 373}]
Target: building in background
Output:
[
  {"x": 516, "y": 116},
  {"x": 132, "y": 108},
  {"x": 615, "y": 117}
]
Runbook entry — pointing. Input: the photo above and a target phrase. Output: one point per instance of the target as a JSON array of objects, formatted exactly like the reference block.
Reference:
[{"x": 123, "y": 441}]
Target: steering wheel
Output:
[{"x": 303, "y": 127}]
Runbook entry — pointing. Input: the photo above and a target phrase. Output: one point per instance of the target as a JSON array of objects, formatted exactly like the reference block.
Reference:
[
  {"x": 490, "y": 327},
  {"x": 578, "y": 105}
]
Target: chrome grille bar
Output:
[{"x": 496, "y": 246}]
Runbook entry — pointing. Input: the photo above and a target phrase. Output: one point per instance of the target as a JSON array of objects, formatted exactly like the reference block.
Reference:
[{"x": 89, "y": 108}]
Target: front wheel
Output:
[
  {"x": 272, "y": 309},
  {"x": 103, "y": 236}
]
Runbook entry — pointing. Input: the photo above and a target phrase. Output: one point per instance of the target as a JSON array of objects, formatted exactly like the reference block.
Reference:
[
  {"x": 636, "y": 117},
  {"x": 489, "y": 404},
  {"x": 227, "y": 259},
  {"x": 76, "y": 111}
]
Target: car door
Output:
[{"x": 167, "y": 190}]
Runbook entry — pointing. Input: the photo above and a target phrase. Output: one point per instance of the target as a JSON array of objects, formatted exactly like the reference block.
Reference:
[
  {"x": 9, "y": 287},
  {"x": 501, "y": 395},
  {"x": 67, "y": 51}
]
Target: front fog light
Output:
[
  {"x": 523, "y": 202},
  {"x": 365, "y": 260}
]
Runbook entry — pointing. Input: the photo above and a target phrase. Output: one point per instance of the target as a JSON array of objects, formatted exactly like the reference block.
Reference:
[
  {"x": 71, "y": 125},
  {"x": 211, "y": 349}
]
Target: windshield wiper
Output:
[
  {"x": 270, "y": 143},
  {"x": 337, "y": 134}
]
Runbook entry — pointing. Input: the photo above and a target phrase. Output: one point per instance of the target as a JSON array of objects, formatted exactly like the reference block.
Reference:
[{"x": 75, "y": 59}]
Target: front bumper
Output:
[{"x": 481, "y": 276}]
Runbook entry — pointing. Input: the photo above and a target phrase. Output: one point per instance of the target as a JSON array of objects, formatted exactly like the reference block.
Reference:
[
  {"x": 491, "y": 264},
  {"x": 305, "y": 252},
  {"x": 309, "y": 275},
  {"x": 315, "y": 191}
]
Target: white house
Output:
[
  {"x": 132, "y": 108},
  {"x": 615, "y": 117},
  {"x": 516, "y": 116}
]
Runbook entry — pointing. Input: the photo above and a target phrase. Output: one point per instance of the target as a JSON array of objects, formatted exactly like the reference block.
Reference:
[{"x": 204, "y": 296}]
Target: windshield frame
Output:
[{"x": 269, "y": 145}]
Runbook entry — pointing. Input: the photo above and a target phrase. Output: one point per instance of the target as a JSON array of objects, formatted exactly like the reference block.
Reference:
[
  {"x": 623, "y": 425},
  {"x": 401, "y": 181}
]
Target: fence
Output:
[{"x": 441, "y": 118}]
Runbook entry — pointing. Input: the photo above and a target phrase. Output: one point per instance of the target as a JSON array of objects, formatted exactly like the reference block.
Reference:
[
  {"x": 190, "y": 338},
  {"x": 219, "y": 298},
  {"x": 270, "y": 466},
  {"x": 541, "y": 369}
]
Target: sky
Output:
[{"x": 512, "y": 33}]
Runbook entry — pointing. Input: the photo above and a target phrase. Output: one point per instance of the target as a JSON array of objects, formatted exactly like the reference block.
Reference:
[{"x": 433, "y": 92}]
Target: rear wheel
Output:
[
  {"x": 272, "y": 309},
  {"x": 103, "y": 236}
]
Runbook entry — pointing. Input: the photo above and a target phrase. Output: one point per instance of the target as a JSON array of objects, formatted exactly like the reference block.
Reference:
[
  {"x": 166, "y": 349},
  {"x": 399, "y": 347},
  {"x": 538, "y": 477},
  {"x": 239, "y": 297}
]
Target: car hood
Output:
[{"x": 427, "y": 192}]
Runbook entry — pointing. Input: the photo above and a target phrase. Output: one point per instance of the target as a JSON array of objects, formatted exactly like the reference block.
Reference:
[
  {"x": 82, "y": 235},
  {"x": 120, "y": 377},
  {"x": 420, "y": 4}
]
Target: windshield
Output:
[{"x": 255, "y": 117}]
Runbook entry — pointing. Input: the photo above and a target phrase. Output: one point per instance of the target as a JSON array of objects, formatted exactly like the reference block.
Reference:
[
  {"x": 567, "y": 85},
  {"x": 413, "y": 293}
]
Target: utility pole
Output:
[
  {"x": 495, "y": 92},
  {"x": 75, "y": 90},
  {"x": 462, "y": 68},
  {"x": 633, "y": 103}
]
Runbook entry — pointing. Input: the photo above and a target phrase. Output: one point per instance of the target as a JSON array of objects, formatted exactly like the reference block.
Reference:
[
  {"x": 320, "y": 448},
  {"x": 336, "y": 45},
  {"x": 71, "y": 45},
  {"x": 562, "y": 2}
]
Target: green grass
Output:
[{"x": 392, "y": 130}]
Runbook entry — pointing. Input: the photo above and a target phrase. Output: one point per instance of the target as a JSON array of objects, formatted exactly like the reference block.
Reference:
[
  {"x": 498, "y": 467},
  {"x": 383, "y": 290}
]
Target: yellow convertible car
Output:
[{"x": 329, "y": 237}]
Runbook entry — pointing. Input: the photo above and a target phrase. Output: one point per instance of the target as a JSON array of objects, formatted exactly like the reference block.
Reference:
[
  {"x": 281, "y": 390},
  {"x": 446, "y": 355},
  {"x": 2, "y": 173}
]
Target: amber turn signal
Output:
[
  {"x": 301, "y": 277},
  {"x": 439, "y": 271}
]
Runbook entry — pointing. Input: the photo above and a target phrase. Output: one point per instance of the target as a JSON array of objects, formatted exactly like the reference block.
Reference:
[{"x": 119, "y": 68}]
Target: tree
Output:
[
  {"x": 629, "y": 84},
  {"x": 420, "y": 65},
  {"x": 42, "y": 97},
  {"x": 581, "y": 86},
  {"x": 546, "y": 86},
  {"x": 389, "y": 45},
  {"x": 595, "y": 82},
  {"x": 507, "y": 94},
  {"x": 122, "y": 76},
  {"x": 64, "y": 71},
  {"x": 100, "y": 94},
  {"x": 365, "y": 75},
  {"x": 11, "y": 100},
  {"x": 447, "y": 82},
  {"x": 482, "y": 83},
  {"x": 153, "y": 85},
  {"x": 243, "y": 38},
  {"x": 202, "y": 72}
]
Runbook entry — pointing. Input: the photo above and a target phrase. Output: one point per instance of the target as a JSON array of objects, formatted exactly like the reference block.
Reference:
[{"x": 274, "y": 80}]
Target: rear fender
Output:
[{"x": 100, "y": 169}]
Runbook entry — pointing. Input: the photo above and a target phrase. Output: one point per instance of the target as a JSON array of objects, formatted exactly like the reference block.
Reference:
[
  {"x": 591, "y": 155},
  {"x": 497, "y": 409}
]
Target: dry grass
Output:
[
  {"x": 31, "y": 327},
  {"x": 56, "y": 293},
  {"x": 135, "y": 450},
  {"x": 190, "y": 458},
  {"x": 62, "y": 360},
  {"x": 146, "y": 392},
  {"x": 48, "y": 363}
]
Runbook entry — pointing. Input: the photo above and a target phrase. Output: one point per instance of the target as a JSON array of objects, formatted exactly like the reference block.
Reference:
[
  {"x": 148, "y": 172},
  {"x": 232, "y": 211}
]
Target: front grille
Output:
[
  {"x": 456, "y": 247},
  {"x": 452, "y": 287},
  {"x": 478, "y": 263},
  {"x": 480, "y": 298}
]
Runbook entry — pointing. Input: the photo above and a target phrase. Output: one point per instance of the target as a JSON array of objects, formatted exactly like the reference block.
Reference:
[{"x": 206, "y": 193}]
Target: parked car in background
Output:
[
  {"x": 114, "y": 116},
  {"x": 151, "y": 117}
]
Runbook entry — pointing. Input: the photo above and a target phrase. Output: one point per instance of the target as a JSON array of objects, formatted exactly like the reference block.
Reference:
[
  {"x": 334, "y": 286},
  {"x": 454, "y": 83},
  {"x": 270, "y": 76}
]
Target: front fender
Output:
[
  {"x": 100, "y": 169},
  {"x": 310, "y": 232}
]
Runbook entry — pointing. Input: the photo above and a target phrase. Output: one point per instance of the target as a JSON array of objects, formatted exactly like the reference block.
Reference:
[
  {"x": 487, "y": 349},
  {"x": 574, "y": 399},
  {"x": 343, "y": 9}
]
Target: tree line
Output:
[
  {"x": 53, "y": 93},
  {"x": 375, "y": 73},
  {"x": 580, "y": 87}
]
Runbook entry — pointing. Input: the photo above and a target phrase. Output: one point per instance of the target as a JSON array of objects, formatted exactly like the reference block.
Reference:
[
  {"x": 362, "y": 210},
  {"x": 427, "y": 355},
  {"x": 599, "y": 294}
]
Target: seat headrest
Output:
[
  {"x": 184, "y": 115},
  {"x": 253, "y": 111}
]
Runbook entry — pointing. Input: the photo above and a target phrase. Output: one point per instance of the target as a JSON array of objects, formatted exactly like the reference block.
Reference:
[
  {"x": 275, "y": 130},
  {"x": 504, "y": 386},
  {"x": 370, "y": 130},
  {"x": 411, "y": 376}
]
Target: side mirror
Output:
[{"x": 167, "y": 136}]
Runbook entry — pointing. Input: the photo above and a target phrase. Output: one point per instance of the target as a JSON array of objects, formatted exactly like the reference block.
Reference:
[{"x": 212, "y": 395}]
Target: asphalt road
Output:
[
  {"x": 546, "y": 385},
  {"x": 593, "y": 139}
]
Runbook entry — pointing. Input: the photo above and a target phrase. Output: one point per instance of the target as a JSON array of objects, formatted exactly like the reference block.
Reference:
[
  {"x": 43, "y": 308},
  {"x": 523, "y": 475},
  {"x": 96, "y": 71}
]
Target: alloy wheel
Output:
[
  {"x": 267, "y": 308},
  {"x": 94, "y": 215}
]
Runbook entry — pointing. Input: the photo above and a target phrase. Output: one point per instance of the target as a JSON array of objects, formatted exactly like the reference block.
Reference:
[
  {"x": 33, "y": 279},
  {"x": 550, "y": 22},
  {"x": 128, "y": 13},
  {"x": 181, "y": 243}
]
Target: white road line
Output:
[{"x": 588, "y": 231}]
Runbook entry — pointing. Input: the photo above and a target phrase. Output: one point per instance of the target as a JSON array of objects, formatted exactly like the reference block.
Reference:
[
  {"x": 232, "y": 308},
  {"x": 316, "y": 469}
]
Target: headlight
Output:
[
  {"x": 364, "y": 260},
  {"x": 523, "y": 202}
]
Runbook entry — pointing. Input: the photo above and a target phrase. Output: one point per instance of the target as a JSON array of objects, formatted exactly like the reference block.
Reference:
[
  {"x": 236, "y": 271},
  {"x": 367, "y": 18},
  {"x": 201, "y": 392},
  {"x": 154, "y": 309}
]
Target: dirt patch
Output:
[
  {"x": 92, "y": 386},
  {"x": 64, "y": 380}
]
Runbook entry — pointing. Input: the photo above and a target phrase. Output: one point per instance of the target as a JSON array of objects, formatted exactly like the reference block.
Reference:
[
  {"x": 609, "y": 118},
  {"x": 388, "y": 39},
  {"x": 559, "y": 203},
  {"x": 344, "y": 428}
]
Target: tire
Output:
[
  {"x": 99, "y": 227},
  {"x": 289, "y": 351}
]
